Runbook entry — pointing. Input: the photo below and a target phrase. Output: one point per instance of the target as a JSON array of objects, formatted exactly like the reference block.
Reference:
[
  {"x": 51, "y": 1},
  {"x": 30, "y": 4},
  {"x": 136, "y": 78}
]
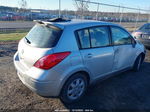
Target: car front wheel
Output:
[{"x": 137, "y": 63}]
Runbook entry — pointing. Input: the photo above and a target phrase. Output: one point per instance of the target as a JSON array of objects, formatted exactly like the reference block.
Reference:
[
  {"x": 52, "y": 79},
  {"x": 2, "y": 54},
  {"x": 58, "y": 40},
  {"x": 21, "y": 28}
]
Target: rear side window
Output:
[
  {"x": 120, "y": 36},
  {"x": 43, "y": 37},
  {"x": 94, "y": 37},
  {"x": 99, "y": 36},
  {"x": 84, "y": 38}
]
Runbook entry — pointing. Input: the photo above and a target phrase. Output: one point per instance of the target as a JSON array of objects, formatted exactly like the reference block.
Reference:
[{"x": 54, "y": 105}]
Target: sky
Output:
[{"x": 68, "y": 4}]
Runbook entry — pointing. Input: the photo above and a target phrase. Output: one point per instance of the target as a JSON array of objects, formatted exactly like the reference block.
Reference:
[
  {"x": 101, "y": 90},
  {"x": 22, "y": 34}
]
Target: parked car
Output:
[
  {"x": 63, "y": 58},
  {"x": 143, "y": 34}
]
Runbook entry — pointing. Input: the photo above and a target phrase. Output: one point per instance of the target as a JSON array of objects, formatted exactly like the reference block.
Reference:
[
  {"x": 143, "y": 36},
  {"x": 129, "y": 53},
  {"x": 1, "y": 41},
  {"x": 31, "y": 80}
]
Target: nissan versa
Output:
[{"x": 62, "y": 58}]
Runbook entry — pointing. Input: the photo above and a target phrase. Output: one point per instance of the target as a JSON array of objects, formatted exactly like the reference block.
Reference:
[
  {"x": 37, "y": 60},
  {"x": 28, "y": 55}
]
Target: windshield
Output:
[
  {"x": 145, "y": 27},
  {"x": 43, "y": 37}
]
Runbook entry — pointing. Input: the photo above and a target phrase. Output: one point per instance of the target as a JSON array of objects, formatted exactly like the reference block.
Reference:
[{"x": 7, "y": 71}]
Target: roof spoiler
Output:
[
  {"x": 58, "y": 20},
  {"x": 38, "y": 21},
  {"x": 52, "y": 20},
  {"x": 48, "y": 23}
]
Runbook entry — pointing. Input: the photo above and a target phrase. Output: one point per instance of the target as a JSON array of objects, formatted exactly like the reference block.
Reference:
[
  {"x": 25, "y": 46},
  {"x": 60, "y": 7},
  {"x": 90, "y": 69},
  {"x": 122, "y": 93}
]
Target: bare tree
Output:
[
  {"x": 22, "y": 5},
  {"x": 81, "y": 6}
]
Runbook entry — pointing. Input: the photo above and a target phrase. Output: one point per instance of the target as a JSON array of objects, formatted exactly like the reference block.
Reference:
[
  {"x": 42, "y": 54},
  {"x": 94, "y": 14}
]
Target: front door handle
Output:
[{"x": 117, "y": 50}]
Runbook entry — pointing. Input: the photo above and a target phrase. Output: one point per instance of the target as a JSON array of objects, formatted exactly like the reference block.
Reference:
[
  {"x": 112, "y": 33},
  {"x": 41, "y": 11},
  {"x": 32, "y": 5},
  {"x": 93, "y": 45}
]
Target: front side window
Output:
[
  {"x": 99, "y": 36},
  {"x": 120, "y": 36},
  {"x": 84, "y": 38}
]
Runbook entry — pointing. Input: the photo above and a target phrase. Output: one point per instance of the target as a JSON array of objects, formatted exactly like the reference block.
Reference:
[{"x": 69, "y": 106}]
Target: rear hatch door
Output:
[{"x": 39, "y": 42}]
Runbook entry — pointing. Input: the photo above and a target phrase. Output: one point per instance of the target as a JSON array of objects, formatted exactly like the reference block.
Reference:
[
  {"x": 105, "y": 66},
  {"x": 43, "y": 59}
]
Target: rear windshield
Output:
[{"x": 43, "y": 37}]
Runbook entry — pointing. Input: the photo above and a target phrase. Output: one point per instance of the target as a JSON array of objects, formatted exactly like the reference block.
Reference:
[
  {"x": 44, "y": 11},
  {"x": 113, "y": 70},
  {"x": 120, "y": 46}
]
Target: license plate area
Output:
[{"x": 145, "y": 36}]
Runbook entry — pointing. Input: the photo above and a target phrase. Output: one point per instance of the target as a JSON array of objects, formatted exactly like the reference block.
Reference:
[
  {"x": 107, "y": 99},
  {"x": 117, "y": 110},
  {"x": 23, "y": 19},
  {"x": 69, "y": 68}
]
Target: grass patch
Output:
[
  {"x": 12, "y": 36},
  {"x": 6, "y": 31}
]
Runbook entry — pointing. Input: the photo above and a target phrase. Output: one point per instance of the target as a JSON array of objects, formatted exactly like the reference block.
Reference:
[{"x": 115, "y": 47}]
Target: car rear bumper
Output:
[
  {"x": 146, "y": 42},
  {"x": 43, "y": 88}
]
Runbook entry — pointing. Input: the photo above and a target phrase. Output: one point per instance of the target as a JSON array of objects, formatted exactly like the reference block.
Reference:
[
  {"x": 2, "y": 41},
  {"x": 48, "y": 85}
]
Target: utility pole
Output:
[
  {"x": 137, "y": 19},
  {"x": 97, "y": 12},
  {"x": 121, "y": 15},
  {"x": 149, "y": 15},
  {"x": 82, "y": 5},
  {"x": 59, "y": 8}
]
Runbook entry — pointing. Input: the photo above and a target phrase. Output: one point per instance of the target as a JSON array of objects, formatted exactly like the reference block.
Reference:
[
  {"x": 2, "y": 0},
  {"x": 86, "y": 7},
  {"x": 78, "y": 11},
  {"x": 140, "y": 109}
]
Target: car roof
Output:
[
  {"x": 80, "y": 22},
  {"x": 77, "y": 24}
]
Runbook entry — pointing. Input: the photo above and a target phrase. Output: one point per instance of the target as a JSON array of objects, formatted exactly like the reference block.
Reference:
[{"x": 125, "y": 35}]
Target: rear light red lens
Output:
[{"x": 51, "y": 60}]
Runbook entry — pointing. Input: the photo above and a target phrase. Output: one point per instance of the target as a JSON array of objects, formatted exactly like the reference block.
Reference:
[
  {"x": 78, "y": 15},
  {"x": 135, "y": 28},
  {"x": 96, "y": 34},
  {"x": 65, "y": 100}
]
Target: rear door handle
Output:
[{"x": 89, "y": 55}]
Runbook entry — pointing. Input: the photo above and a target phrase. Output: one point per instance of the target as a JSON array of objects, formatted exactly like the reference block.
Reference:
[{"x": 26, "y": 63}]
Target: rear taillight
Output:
[{"x": 51, "y": 60}]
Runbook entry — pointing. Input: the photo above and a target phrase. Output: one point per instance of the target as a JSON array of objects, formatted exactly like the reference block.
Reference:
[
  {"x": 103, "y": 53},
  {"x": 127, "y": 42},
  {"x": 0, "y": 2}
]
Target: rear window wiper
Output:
[{"x": 27, "y": 40}]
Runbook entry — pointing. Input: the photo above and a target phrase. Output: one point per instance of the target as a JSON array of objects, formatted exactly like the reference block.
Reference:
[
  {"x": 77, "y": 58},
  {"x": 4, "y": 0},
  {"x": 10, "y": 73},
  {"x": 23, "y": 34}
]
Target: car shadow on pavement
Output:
[{"x": 128, "y": 91}]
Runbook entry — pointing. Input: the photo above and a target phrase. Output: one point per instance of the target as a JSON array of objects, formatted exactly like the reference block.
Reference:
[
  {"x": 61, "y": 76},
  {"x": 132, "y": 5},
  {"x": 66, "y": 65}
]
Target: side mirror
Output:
[
  {"x": 134, "y": 37},
  {"x": 133, "y": 42}
]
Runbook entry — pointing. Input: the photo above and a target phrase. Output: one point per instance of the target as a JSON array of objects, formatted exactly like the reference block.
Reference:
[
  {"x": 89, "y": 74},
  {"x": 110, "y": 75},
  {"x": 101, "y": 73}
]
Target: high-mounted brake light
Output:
[{"x": 51, "y": 60}]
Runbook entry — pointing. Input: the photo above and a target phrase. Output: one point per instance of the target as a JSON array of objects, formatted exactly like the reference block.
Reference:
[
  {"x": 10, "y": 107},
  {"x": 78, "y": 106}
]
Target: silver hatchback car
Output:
[{"x": 61, "y": 58}]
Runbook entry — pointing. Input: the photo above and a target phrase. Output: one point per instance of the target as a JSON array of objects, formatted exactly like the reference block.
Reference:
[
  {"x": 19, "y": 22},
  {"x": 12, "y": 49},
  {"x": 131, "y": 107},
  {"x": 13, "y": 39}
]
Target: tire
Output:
[
  {"x": 74, "y": 88},
  {"x": 137, "y": 63}
]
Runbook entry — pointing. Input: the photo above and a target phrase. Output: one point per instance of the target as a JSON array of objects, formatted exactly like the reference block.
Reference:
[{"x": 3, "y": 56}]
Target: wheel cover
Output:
[{"x": 76, "y": 89}]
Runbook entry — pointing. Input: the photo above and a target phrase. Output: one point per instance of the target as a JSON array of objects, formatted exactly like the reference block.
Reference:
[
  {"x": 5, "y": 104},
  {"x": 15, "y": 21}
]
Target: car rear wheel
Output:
[
  {"x": 74, "y": 88},
  {"x": 137, "y": 63}
]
